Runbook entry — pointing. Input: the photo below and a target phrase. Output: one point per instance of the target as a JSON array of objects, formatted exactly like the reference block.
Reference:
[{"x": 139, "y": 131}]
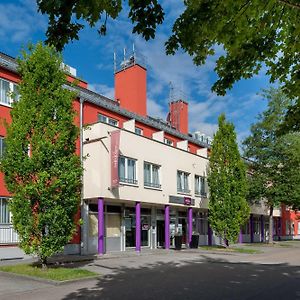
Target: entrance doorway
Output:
[
  {"x": 182, "y": 229},
  {"x": 160, "y": 237}
]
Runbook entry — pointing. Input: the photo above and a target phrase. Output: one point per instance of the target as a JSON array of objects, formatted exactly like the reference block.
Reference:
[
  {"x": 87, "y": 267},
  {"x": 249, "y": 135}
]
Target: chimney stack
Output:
[{"x": 178, "y": 116}]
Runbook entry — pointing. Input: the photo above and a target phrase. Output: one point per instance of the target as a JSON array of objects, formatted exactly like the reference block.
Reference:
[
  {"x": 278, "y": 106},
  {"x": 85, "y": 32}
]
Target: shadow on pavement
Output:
[{"x": 204, "y": 278}]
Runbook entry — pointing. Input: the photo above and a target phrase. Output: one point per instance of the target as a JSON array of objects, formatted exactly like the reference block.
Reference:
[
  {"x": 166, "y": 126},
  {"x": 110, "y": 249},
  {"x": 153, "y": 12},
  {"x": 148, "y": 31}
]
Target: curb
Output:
[{"x": 49, "y": 281}]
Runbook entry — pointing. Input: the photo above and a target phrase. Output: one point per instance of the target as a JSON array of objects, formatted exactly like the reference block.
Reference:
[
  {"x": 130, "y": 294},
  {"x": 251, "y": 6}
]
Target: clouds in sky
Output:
[{"x": 93, "y": 57}]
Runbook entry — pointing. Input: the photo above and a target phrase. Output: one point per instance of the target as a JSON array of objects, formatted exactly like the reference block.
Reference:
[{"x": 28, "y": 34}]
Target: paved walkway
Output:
[{"x": 187, "y": 274}]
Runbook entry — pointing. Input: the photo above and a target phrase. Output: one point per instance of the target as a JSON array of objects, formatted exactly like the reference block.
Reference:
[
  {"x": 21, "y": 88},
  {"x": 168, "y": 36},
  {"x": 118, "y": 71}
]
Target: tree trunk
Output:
[
  {"x": 271, "y": 225},
  {"x": 44, "y": 263}
]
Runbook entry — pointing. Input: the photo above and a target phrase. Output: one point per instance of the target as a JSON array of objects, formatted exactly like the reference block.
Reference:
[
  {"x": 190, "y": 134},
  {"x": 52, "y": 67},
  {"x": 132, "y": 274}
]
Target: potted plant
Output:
[
  {"x": 195, "y": 240},
  {"x": 178, "y": 241}
]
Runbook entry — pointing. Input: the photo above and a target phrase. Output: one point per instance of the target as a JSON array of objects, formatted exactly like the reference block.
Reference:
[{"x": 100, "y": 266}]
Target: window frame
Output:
[
  {"x": 168, "y": 142},
  {"x": 185, "y": 189},
  {"x": 2, "y": 146},
  {"x": 138, "y": 131},
  {"x": 7, "y": 220},
  {"x": 151, "y": 184},
  {"x": 12, "y": 89},
  {"x": 201, "y": 191},
  {"x": 126, "y": 179},
  {"x": 107, "y": 120}
]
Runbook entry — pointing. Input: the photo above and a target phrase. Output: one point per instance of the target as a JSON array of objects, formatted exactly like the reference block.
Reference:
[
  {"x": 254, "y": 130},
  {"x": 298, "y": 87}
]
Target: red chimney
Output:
[
  {"x": 178, "y": 116},
  {"x": 130, "y": 88}
]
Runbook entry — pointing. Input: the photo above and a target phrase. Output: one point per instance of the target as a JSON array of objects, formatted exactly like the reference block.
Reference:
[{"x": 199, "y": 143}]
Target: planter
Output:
[
  {"x": 195, "y": 241},
  {"x": 178, "y": 242}
]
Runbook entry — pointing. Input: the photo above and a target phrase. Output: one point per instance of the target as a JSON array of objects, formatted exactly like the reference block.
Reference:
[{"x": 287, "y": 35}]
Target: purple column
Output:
[
  {"x": 209, "y": 233},
  {"x": 100, "y": 226},
  {"x": 138, "y": 227},
  {"x": 167, "y": 227},
  {"x": 262, "y": 228},
  {"x": 190, "y": 225},
  {"x": 240, "y": 240},
  {"x": 251, "y": 229}
]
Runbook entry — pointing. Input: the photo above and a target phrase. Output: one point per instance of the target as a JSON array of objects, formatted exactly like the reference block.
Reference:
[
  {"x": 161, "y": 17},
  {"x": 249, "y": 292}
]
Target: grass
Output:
[
  {"x": 53, "y": 273},
  {"x": 233, "y": 249}
]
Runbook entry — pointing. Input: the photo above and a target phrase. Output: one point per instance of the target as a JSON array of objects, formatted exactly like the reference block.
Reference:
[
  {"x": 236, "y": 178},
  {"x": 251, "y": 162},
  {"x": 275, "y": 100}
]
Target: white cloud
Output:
[
  {"x": 102, "y": 89},
  {"x": 18, "y": 22}
]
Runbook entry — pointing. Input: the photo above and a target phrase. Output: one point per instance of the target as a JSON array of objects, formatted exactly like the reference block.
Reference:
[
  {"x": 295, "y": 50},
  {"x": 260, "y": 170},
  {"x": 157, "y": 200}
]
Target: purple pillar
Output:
[
  {"x": 190, "y": 225},
  {"x": 167, "y": 227},
  {"x": 100, "y": 226},
  {"x": 209, "y": 233},
  {"x": 240, "y": 240},
  {"x": 262, "y": 228},
  {"x": 251, "y": 229},
  {"x": 138, "y": 227}
]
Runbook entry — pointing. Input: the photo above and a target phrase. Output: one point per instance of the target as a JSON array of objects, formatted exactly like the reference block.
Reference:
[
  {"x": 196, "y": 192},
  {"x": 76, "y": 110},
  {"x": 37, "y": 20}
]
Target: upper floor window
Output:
[
  {"x": 4, "y": 212},
  {"x": 200, "y": 185},
  {"x": 183, "y": 182},
  {"x": 127, "y": 170},
  {"x": 6, "y": 88},
  {"x": 152, "y": 175},
  {"x": 107, "y": 120},
  {"x": 168, "y": 142},
  {"x": 2, "y": 146},
  {"x": 138, "y": 131}
]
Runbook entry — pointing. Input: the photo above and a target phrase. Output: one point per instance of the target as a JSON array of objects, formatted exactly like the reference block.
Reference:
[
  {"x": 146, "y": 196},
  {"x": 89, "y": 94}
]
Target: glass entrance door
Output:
[{"x": 182, "y": 229}]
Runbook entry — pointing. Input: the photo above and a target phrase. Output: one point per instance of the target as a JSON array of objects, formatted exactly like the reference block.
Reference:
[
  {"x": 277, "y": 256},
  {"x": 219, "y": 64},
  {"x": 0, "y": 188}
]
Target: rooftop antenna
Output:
[{"x": 115, "y": 62}]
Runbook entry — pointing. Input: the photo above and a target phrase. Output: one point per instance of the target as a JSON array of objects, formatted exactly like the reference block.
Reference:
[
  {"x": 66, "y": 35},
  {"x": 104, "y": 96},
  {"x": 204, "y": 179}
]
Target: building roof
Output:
[{"x": 10, "y": 63}]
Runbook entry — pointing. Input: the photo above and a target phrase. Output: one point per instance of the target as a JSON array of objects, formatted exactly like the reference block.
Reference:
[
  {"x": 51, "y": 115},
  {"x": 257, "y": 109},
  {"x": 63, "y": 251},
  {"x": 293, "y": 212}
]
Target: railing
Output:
[
  {"x": 128, "y": 180},
  {"x": 8, "y": 234},
  {"x": 152, "y": 184},
  {"x": 183, "y": 190}
]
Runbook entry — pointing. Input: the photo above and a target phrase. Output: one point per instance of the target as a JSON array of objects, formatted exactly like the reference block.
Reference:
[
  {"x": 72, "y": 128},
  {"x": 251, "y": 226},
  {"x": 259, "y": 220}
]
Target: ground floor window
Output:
[{"x": 4, "y": 212}]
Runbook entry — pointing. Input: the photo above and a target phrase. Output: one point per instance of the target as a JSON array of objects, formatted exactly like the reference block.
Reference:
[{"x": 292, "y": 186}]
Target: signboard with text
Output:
[{"x": 114, "y": 152}]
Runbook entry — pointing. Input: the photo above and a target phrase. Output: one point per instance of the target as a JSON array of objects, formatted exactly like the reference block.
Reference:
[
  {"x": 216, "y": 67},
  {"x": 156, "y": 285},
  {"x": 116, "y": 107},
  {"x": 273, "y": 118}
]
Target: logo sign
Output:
[
  {"x": 187, "y": 201},
  {"x": 114, "y": 152}
]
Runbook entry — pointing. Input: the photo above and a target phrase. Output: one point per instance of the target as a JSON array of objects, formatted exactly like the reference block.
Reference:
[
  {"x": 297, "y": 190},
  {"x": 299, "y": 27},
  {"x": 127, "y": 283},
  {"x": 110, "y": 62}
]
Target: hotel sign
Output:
[
  {"x": 182, "y": 200},
  {"x": 114, "y": 153}
]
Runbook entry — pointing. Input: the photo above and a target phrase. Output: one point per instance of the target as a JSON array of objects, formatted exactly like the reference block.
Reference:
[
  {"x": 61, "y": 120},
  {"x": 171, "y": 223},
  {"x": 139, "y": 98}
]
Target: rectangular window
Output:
[
  {"x": 5, "y": 88},
  {"x": 152, "y": 175},
  {"x": 2, "y": 146},
  {"x": 127, "y": 170},
  {"x": 168, "y": 142},
  {"x": 107, "y": 120},
  {"x": 138, "y": 131},
  {"x": 4, "y": 212},
  {"x": 200, "y": 185},
  {"x": 183, "y": 182}
]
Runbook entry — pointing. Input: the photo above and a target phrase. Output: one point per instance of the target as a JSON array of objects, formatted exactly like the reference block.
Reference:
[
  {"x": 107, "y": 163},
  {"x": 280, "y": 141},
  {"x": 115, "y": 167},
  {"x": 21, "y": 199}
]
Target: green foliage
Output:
[
  {"x": 228, "y": 208},
  {"x": 40, "y": 166},
  {"x": 64, "y": 17},
  {"x": 266, "y": 150}
]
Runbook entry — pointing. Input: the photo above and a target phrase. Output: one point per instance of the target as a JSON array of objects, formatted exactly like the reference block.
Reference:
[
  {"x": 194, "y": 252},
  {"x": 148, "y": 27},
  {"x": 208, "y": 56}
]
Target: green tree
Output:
[
  {"x": 228, "y": 208},
  {"x": 41, "y": 169},
  {"x": 267, "y": 154}
]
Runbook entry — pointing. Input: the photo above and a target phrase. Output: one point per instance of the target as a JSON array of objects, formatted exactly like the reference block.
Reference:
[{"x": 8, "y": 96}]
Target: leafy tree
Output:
[
  {"x": 267, "y": 152},
  {"x": 228, "y": 208},
  {"x": 40, "y": 166}
]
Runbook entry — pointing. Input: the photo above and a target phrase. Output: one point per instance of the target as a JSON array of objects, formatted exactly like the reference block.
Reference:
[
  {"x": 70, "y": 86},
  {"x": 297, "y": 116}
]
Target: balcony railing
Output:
[
  {"x": 183, "y": 190},
  {"x": 128, "y": 180},
  {"x": 152, "y": 185},
  {"x": 8, "y": 234}
]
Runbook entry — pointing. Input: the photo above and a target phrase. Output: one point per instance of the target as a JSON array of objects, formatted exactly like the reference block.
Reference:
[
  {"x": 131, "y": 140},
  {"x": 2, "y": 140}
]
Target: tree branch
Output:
[{"x": 289, "y": 3}]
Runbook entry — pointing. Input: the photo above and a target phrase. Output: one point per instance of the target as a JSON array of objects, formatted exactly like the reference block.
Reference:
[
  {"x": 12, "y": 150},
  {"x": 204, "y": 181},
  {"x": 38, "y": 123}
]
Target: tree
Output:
[
  {"x": 41, "y": 169},
  {"x": 228, "y": 208},
  {"x": 268, "y": 154},
  {"x": 251, "y": 32}
]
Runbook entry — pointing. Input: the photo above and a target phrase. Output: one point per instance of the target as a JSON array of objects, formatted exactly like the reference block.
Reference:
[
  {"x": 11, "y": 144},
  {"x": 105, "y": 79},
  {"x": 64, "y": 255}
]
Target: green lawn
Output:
[
  {"x": 233, "y": 249},
  {"x": 52, "y": 272}
]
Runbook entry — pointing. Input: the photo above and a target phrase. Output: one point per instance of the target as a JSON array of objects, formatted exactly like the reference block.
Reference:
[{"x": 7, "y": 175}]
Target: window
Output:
[
  {"x": 107, "y": 120},
  {"x": 168, "y": 142},
  {"x": 200, "y": 185},
  {"x": 183, "y": 182},
  {"x": 127, "y": 170},
  {"x": 2, "y": 146},
  {"x": 4, "y": 213},
  {"x": 138, "y": 131},
  {"x": 5, "y": 88},
  {"x": 151, "y": 175}
]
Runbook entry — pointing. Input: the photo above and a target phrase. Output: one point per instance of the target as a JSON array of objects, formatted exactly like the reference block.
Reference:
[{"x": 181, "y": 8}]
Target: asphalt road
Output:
[{"x": 183, "y": 279}]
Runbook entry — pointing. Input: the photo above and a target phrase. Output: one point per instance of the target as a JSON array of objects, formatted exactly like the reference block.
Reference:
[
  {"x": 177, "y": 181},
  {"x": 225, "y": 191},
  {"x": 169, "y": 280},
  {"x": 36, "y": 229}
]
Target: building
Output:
[{"x": 144, "y": 179}]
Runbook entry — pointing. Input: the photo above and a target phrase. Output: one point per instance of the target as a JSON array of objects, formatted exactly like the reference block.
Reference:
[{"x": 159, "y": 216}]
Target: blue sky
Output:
[{"x": 92, "y": 56}]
